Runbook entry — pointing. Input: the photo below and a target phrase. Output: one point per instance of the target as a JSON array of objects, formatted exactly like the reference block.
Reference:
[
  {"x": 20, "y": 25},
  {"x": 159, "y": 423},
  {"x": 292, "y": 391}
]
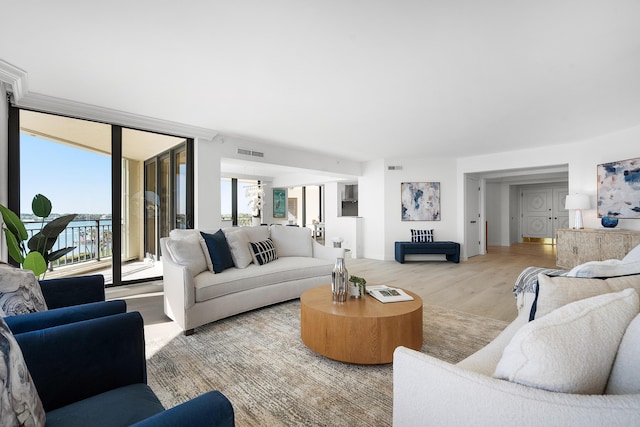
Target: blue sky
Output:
[
  {"x": 76, "y": 181},
  {"x": 79, "y": 181}
]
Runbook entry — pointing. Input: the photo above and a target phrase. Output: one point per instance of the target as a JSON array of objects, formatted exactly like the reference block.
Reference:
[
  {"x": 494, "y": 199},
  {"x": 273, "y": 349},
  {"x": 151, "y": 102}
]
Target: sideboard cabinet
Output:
[{"x": 575, "y": 247}]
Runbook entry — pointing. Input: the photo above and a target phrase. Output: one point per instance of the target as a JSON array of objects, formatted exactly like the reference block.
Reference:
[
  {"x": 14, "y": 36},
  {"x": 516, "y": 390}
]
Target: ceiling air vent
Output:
[
  {"x": 247, "y": 152},
  {"x": 394, "y": 168}
]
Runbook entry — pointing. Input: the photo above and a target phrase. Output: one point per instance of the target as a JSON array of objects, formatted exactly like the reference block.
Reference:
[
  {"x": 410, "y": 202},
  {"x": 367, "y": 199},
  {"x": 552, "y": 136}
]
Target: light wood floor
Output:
[{"x": 481, "y": 285}]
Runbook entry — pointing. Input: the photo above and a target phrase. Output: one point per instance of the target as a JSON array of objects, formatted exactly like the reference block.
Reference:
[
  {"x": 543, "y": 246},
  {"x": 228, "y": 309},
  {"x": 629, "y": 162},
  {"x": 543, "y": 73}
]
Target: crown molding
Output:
[
  {"x": 50, "y": 104},
  {"x": 14, "y": 80}
]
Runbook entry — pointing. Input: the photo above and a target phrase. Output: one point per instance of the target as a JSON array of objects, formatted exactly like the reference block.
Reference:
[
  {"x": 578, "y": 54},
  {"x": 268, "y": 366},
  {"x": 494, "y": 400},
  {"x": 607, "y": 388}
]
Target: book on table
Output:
[{"x": 387, "y": 294}]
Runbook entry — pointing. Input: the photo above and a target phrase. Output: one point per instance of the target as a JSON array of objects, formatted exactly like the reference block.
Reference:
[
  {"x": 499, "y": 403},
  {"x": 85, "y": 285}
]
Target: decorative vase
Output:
[
  {"x": 339, "y": 281},
  {"x": 609, "y": 221},
  {"x": 354, "y": 290}
]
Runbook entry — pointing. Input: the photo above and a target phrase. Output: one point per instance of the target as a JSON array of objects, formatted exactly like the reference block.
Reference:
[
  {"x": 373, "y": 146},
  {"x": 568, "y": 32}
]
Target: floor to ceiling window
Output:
[
  {"x": 235, "y": 201},
  {"x": 81, "y": 166}
]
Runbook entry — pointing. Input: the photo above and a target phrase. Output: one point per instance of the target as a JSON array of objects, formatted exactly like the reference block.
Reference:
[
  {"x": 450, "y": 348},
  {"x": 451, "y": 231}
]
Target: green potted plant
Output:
[
  {"x": 36, "y": 254},
  {"x": 359, "y": 284}
]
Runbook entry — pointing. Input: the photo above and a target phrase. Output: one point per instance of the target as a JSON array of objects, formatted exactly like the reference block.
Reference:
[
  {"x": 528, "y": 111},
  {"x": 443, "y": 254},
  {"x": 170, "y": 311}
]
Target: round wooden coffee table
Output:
[{"x": 362, "y": 330}]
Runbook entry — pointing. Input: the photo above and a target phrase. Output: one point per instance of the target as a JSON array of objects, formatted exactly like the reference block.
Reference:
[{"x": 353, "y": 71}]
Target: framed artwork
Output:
[
  {"x": 420, "y": 201},
  {"x": 279, "y": 203},
  {"x": 619, "y": 189}
]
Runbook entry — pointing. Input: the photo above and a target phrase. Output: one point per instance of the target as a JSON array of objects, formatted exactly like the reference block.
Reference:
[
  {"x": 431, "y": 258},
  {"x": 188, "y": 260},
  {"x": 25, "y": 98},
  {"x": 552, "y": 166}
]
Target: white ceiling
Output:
[{"x": 366, "y": 79}]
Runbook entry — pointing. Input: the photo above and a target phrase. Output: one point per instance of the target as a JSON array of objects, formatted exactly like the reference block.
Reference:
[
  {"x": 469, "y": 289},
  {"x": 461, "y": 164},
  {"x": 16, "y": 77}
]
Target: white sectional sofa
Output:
[
  {"x": 565, "y": 367},
  {"x": 194, "y": 294}
]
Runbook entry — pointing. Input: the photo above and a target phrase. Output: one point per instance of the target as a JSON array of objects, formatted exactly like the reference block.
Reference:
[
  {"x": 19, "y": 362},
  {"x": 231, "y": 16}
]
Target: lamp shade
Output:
[{"x": 577, "y": 201}]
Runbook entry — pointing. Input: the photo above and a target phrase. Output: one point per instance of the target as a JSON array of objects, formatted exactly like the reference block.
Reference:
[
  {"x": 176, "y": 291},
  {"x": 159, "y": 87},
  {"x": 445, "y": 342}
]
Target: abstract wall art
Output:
[
  {"x": 619, "y": 189},
  {"x": 420, "y": 201}
]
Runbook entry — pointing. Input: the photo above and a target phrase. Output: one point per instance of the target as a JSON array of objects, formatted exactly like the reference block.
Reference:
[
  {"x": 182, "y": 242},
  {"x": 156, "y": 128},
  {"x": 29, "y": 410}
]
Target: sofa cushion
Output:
[
  {"x": 238, "y": 246},
  {"x": 20, "y": 292},
  {"x": 263, "y": 252},
  {"x": 554, "y": 292},
  {"x": 218, "y": 249},
  {"x": 19, "y": 401},
  {"x": 292, "y": 241},
  {"x": 607, "y": 268},
  {"x": 122, "y": 406},
  {"x": 571, "y": 349},
  {"x": 422, "y": 235},
  {"x": 209, "y": 285},
  {"x": 625, "y": 375},
  {"x": 256, "y": 233},
  {"x": 182, "y": 233},
  {"x": 188, "y": 252}
]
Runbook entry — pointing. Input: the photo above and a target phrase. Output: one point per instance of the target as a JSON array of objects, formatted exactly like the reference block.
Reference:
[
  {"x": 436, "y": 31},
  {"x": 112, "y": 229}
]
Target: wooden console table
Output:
[{"x": 575, "y": 247}]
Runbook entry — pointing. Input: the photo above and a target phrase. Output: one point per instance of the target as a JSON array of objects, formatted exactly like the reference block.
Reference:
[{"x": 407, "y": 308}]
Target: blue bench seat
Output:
[{"x": 450, "y": 249}]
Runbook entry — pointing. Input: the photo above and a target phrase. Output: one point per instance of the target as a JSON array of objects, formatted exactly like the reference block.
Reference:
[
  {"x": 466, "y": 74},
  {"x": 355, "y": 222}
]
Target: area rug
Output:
[{"x": 272, "y": 379}]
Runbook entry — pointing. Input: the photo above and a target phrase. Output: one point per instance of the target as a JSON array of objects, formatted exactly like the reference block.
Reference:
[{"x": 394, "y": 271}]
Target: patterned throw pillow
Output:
[
  {"x": 20, "y": 404},
  {"x": 422, "y": 236},
  {"x": 20, "y": 292},
  {"x": 263, "y": 252}
]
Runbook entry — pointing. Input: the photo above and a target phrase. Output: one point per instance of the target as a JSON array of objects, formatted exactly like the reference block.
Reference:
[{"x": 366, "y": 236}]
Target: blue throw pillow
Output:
[{"x": 218, "y": 250}]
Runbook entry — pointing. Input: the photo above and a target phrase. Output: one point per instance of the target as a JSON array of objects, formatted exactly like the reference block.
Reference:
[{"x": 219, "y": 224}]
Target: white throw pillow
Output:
[
  {"x": 572, "y": 349},
  {"x": 188, "y": 252},
  {"x": 632, "y": 256},
  {"x": 606, "y": 268},
  {"x": 258, "y": 233},
  {"x": 238, "y": 242},
  {"x": 554, "y": 292},
  {"x": 20, "y": 292},
  {"x": 625, "y": 375},
  {"x": 182, "y": 233},
  {"x": 292, "y": 241}
]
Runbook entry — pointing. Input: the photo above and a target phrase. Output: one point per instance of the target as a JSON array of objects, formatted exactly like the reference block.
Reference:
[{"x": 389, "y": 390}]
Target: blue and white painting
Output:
[
  {"x": 619, "y": 189},
  {"x": 420, "y": 201}
]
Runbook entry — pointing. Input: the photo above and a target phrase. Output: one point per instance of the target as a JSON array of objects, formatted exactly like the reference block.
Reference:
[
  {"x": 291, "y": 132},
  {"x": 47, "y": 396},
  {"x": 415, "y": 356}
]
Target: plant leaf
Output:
[
  {"x": 59, "y": 253},
  {"x": 41, "y": 206},
  {"x": 41, "y": 243},
  {"x": 35, "y": 262},
  {"x": 57, "y": 226},
  {"x": 13, "y": 247},
  {"x": 13, "y": 224}
]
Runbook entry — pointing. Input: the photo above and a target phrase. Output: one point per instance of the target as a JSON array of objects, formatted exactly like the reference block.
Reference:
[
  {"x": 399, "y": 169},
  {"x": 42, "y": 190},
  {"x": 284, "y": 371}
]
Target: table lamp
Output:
[{"x": 577, "y": 202}]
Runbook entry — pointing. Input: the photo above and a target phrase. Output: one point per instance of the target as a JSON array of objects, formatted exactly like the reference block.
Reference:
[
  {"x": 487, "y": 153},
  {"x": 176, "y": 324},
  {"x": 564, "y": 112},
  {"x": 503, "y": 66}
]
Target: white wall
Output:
[
  {"x": 372, "y": 198},
  {"x": 207, "y": 185},
  {"x": 582, "y": 158},
  {"x": 494, "y": 212},
  {"x": 379, "y": 202}
]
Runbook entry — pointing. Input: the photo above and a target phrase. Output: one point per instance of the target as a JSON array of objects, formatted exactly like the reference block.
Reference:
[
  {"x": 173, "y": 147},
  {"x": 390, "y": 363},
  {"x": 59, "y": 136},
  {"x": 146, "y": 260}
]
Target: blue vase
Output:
[{"x": 609, "y": 221}]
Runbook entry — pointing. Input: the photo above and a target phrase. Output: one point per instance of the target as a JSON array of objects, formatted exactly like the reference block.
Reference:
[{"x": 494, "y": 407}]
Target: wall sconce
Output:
[{"x": 577, "y": 202}]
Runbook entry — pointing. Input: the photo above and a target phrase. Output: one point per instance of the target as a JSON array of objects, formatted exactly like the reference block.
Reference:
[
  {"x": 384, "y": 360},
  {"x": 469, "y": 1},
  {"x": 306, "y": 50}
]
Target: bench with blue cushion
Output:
[{"x": 450, "y": 249}]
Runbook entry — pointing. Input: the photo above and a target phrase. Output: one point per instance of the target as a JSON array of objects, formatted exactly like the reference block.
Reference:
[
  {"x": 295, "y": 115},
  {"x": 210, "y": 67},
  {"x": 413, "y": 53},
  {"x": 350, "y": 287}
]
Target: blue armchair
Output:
[
  {"x": 68, "y": 291},
  {"x": 69, "y": 299},
  {"x": 93, "y": 372}
]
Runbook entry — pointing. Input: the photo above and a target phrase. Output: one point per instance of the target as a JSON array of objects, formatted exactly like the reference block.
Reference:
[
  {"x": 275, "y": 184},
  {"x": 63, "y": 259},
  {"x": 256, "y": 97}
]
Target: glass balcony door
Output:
[{"x": 129, "y": 188}]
